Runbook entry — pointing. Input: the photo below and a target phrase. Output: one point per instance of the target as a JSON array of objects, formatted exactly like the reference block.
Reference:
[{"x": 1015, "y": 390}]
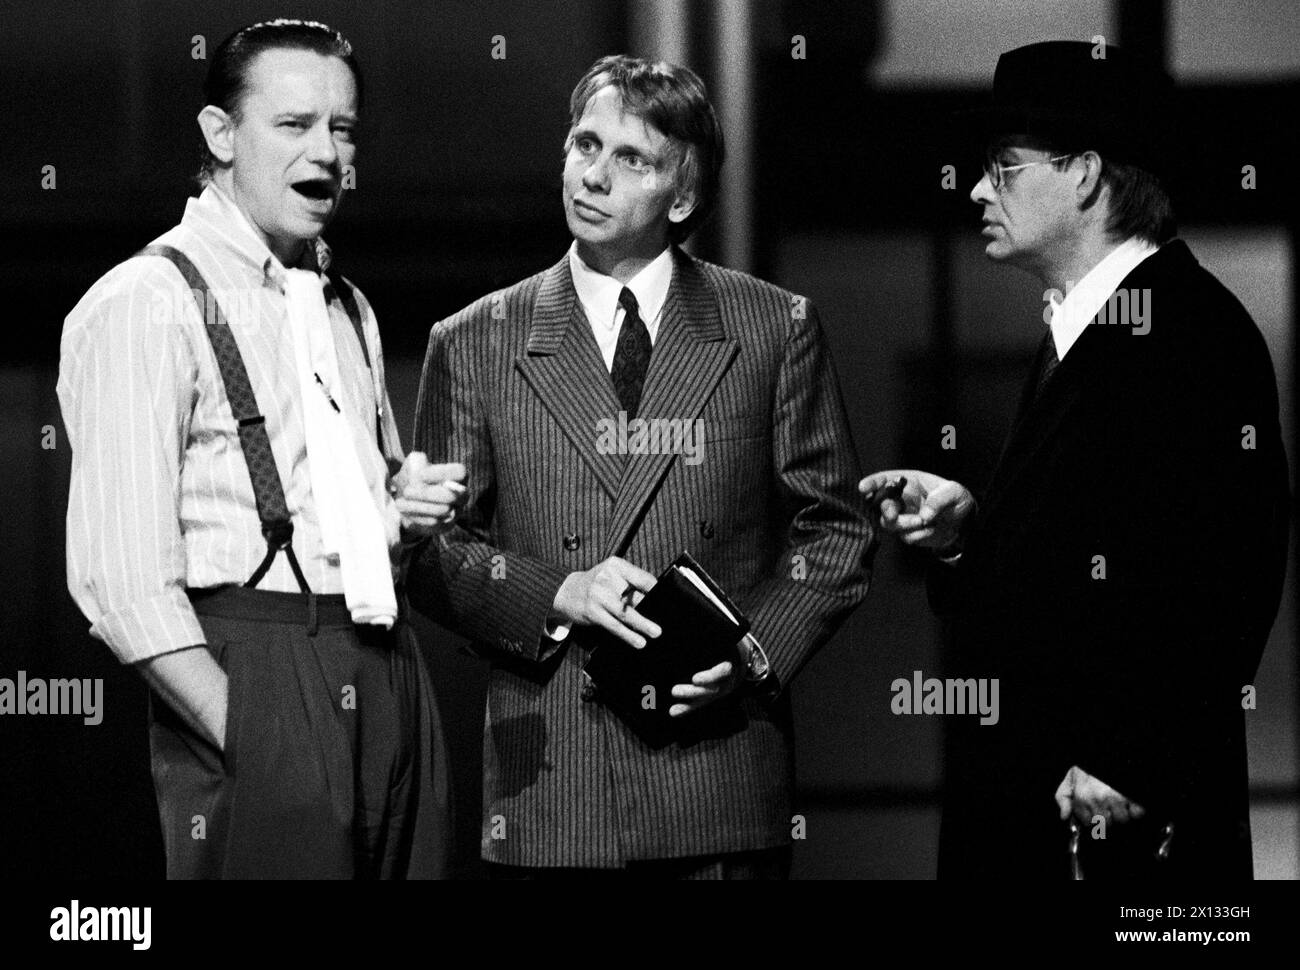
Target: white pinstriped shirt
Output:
[{"x": 161, "y": 497}]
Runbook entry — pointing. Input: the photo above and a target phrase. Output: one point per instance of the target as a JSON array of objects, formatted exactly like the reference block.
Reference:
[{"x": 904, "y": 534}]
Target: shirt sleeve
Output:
[{"x": 127, "y": 386}]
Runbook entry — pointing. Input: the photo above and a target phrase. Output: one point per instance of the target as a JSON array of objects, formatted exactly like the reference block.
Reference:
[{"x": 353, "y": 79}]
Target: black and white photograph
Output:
[{"x": 611, "y": 443}]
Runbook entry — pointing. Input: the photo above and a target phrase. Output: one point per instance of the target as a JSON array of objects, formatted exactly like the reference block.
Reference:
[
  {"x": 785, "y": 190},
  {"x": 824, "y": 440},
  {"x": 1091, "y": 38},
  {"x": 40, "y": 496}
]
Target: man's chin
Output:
[
  {"x": 294, "y": 236},
  {"x": 312, "y": 224},
  {"x": 316, "y": 211},
  {"x": 586, "y": 232}
]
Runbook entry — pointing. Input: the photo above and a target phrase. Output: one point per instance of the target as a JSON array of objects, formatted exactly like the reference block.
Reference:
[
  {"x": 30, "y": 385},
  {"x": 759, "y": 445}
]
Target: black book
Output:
[{"x": 701, "y": 628}]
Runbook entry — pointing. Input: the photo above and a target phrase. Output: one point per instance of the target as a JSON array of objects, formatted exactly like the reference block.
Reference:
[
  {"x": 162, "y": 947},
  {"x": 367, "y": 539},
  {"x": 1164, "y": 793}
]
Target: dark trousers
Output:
[
  {"x": 759, "y": 864},
  {"x": 334, "y": 765}
]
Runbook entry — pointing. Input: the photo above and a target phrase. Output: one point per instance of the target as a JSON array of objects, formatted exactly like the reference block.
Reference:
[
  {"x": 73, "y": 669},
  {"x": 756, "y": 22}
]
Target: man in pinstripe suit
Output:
[{"x": 562, "y": 533}]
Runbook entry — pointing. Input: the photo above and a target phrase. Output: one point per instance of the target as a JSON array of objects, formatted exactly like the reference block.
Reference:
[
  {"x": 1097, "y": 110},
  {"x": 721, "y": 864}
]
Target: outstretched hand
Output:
[{"x": 930, "y": 512}]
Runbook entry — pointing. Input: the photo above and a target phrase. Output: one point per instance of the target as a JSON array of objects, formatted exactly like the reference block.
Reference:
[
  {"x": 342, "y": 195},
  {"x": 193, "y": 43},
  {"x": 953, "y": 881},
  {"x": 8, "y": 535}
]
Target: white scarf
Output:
[{"x": 350, "y": 523}]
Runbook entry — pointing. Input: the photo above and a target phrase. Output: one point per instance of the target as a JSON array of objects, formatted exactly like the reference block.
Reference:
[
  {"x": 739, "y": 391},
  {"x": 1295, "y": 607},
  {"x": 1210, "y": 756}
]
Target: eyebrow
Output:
[{"x": 312, "y": 116}]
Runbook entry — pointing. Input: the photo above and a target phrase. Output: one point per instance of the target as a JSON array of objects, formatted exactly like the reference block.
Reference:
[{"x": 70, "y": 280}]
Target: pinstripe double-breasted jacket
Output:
[{"x": 515, "y": 388}]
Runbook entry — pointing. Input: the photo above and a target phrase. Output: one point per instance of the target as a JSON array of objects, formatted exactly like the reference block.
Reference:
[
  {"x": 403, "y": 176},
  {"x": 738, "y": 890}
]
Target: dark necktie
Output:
[
  {"x": 631, "y": 355},
  {"x": 1050, "y": 363}
]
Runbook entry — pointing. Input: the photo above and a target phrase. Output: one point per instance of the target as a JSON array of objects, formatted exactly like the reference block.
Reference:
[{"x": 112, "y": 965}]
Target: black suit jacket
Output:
[
  {"x": 514, "y": 386},
  {"x": 1121, "y": 579}
]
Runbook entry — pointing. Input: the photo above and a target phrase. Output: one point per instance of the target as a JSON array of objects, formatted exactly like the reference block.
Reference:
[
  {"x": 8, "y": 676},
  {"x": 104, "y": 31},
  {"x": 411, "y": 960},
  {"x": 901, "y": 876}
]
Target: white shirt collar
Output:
[
  {"x": 223, "y": 217},
  {"x": 599, "y": 293},
  {"x": 1076, "y": 311}
]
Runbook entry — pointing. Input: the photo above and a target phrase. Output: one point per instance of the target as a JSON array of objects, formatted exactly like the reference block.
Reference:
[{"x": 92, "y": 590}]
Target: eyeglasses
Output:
[{"x": 996, "y": 172}]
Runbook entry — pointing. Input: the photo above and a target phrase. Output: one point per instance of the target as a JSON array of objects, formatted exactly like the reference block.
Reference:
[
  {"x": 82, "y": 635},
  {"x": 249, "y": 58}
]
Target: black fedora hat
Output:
[{"x": 1079, "y": 96}]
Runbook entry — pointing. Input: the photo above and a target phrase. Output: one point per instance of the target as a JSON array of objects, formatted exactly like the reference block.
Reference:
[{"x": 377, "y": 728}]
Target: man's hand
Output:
[
  {"x": 706, "y": 687},
  {"x": 606, "y": 596},
  {"x": 932, "y": 511},
  {"x": 1086, "y": 797},
  {"x": 428, "y": 496},
  {"x": 193, "y": 685}
]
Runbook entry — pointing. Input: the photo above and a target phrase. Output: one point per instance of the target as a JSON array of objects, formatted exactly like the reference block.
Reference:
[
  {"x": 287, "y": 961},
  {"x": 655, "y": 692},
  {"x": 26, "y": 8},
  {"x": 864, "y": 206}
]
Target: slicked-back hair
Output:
[
  {"x": 227, "y": 79},
  {"x": 675, "y": 101}
]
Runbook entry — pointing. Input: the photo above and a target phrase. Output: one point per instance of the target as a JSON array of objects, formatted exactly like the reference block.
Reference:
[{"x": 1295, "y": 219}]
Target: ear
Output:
[
  {"x": 682, "y": 207},
  {"x": 1091, "y": 180},
  {"x": 219, "y": 132}
]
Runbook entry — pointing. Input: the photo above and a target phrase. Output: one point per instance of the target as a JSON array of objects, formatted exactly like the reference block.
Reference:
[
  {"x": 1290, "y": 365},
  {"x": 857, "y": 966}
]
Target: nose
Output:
[
  {"x": 596, "y": 176},
  {"x": 321, "y": 147},
  {"x": 982, "y": 193}
]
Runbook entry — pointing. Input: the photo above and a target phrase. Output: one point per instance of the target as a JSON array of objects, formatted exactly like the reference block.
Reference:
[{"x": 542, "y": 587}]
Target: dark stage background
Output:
[{"x": 834, "y": 188}]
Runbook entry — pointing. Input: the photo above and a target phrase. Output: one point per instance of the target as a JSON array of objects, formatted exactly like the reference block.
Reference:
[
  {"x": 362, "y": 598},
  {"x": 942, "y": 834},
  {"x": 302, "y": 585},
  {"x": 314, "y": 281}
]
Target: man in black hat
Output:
[{"x": 1121, "y": 573}]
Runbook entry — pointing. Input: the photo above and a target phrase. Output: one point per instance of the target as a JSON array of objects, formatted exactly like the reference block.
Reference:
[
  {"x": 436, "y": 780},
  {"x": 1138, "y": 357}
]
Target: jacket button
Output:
[
  {"x": 588, "y": 692},
  {"x": 572, "y": 541},
  {"x": 706, "y": 529}
]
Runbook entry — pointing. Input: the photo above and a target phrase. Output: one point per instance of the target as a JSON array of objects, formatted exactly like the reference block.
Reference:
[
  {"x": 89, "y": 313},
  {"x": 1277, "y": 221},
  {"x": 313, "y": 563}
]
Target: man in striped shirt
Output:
[{"x": 225, "y": 400}]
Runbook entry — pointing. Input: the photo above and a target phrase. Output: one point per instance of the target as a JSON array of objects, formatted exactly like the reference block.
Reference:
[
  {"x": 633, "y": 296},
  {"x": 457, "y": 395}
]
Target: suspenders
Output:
[
  {"x": 268, "y": 492},
  {"x": 349, "y": 300}
]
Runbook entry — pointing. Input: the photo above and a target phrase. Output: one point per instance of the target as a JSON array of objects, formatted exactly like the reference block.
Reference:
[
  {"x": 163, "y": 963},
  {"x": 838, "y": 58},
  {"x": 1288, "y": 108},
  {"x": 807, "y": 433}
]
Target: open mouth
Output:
[{"x": 318, "y": 190}]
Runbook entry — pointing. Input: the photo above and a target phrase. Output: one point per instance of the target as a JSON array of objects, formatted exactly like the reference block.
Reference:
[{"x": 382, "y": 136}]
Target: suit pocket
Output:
[{"x": 229, "y": 657}]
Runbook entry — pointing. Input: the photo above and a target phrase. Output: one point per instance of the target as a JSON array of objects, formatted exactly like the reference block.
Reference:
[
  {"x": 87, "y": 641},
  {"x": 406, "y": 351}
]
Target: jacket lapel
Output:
[
  {"x": 1035, "y": 427},
  {"x": 1086, "y": 363},
  {"x": 1037, "y": 421},
  {"x": 690, "y": 357},
  {"x": 562, "y": 364}
]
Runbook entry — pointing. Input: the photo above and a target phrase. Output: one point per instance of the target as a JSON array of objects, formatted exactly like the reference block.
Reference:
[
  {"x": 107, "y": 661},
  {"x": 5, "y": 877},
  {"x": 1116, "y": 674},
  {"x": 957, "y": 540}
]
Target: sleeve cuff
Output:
[
  {"x": 755, "y": 657},
  {"x": 148, "y": 628},
  {"x": 558, "y": 632},
  {"x": 951, "y": 555}
]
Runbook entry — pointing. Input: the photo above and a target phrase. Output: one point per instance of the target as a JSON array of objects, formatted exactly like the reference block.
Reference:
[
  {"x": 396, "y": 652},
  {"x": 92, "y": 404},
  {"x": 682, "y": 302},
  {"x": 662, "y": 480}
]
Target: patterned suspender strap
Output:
[
  {"x": 349, "y": 301},
  {"x": 277, "y": 526}
]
